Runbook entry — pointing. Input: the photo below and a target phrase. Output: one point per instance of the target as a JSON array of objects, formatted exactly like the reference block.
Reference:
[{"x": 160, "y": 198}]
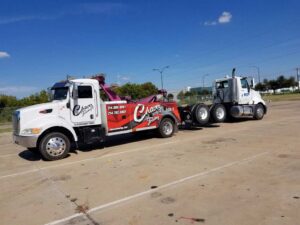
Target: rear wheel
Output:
[
  {"x": 200, "y": 113},
  {"x": 166, "y": 128},
  {"x": 218, "y": 113},
  {"x": 259, "y": 112},
  {"x": 54, "y": 146}
]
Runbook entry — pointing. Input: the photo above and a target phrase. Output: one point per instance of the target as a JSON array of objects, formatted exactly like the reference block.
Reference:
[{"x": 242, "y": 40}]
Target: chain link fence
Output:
[{"x": 188, "y": 100}]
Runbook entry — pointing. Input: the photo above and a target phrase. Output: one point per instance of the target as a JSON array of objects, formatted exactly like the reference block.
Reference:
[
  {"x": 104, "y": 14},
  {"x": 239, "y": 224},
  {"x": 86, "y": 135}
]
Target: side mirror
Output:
[
  {"x": 252, "y": 83},
  {"x": 50, "y": 94},
  {"x": 75, "y": 91}
]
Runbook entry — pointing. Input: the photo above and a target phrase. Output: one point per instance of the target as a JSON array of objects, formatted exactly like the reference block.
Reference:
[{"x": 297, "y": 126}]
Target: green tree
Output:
[
  {"x": 180, "y": 95},
  {"x": 170, "y": 96},
  {"x": 136, "y": 91},
  {"x": 261, "y": 87},
  {"x": 274, "y": 85}
]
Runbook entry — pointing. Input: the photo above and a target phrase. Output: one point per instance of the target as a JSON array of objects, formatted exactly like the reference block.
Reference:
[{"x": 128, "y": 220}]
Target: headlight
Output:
[{"x": 31, "y": 131}]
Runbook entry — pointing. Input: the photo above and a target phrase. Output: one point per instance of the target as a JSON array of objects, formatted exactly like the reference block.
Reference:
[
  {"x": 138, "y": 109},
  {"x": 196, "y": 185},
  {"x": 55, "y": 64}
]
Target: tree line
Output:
[{"x": 275, "y": 84}]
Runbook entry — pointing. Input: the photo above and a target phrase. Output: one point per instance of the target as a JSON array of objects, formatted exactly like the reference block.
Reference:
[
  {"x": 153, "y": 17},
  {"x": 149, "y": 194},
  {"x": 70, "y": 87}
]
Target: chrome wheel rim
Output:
[
  {"x": 220, "y": 113},
  {"x": 203, "y": 113},
  {"x": 260, "y": 112},
  {"x": 167, "y": 128},
  {"x": 56, "y": 146}
]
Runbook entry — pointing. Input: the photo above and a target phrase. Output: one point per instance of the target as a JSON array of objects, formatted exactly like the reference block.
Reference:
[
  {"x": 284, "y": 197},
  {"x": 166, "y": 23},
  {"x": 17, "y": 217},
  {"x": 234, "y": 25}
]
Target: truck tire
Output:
[
  {"x": 166, "y": 128},
  {"x": 54, "y": 146},
  {"x": 200, "y": 114},
  {"x": 218, "y": 113},
  {"x": 259, "y": 112}
]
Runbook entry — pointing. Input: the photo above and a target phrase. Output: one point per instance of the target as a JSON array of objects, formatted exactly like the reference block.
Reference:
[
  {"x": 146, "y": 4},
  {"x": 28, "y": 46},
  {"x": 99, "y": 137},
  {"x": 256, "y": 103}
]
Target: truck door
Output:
[
  {"x": 82, "y": 105},
  {"x": 245, "y": 96},
  {"x": 118, "y": 117}
]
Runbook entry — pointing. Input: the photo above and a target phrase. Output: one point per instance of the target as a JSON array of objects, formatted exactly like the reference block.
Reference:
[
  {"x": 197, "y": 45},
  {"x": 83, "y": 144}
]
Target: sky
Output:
[{"x": 42, "y": 41}]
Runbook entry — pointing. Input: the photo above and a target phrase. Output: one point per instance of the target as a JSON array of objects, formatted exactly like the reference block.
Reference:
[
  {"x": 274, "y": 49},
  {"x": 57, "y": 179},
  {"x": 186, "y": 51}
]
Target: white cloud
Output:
[
  {"x": 123, "y": 78},
  {"x": 71, "y": 10},
  {"x": 18, "y": 91},
  {"x": 210, "y": 23},
  {"x": 225, "y": 17},
  {"x": 4, "y": 55}
]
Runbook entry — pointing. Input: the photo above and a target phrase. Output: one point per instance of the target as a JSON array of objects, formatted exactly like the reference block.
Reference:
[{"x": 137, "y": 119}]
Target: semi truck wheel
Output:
[
  {"x": 200, "y": 113},
  {"x": 218, "y": 113},
  {"x": 166, "y": 128},
  {"x": 54, "y": 146},
  {"x": 259, "y": 112}
]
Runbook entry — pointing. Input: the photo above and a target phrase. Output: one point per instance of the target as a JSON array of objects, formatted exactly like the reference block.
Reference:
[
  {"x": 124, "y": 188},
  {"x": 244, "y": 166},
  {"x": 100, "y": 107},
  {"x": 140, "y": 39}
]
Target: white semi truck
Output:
[
  {"x": 78, "y": 114},
  {"x": 234, "y": 97}
]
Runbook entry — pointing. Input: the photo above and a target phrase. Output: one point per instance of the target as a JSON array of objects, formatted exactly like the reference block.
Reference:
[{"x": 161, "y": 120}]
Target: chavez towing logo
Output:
[
  {"x": 82, "y": 110},
  {"x": 149, "y": 114}
]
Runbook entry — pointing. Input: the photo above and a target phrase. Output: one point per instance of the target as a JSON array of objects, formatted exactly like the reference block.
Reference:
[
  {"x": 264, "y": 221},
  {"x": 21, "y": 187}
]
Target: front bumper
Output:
[{"x": 25, "y": 141}]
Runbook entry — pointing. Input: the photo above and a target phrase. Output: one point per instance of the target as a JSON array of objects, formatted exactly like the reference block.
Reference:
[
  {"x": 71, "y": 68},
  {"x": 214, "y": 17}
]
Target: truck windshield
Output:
[{"x": 60, "y": 93}]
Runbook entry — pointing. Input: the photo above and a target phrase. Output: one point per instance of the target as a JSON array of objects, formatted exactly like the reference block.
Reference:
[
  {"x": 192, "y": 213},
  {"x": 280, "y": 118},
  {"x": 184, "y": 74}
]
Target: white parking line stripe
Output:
[
  {"x": 85, "y": 160},
  {"x": 165, "y": 186}
]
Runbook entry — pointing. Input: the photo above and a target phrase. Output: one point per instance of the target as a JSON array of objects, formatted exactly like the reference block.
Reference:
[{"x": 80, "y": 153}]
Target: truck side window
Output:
[
  {"x": 244, "y": 84},
  {"x": 85, "y": 92},
  {"x": 222, "y": 84}
]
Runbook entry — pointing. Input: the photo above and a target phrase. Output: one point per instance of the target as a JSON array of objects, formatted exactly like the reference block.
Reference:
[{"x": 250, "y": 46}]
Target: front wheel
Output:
[
  {"x": 259, "y": 112},
  {"x": 54, "y": 146},
  {"x": 218, "y": 113},
  {"x": 166, "y": 128}
]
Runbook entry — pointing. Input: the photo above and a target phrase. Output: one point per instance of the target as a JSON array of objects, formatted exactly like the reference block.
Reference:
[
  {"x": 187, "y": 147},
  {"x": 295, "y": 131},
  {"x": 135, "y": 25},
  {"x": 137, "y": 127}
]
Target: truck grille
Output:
[{"x": 16, "y": 122}]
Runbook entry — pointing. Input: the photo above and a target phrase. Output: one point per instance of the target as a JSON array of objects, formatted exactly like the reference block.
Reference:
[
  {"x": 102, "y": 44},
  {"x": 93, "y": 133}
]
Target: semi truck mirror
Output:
[
  {"x": 50, "y": 94},
  {"x": 75, "y": 91},
  {"x": 252, "y": 84}
]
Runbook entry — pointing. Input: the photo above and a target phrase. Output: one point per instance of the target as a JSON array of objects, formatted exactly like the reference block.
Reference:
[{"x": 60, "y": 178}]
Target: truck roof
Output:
[{"x": 227, "y": 78}]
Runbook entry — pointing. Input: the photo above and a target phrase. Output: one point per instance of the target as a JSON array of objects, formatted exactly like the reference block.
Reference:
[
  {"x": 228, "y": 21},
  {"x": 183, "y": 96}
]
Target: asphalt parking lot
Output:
[{"x": 246, "y": 172}]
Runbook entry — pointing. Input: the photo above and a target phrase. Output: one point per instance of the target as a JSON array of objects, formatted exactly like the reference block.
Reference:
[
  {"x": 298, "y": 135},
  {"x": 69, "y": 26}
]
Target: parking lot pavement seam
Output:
[
  {"x": 85, "y": 160},
  {"x": 165, "y": 186},
  {"x": 63, "y": 195}
]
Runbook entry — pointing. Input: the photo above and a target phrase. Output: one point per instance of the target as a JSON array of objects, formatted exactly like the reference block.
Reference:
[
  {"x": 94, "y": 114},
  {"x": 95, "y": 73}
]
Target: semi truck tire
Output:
[
  {"x": 54, "y": 146},
  {"x": 200, "y": 114},
  {"x": 218, "y": 113},
  {"x": 259, "y": 112},
  {"x": 166, "y": 128}
]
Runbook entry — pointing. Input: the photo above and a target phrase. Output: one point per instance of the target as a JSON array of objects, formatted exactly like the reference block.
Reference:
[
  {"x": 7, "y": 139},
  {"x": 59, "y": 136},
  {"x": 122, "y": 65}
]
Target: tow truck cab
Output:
[{"x": 78, "y": 114}]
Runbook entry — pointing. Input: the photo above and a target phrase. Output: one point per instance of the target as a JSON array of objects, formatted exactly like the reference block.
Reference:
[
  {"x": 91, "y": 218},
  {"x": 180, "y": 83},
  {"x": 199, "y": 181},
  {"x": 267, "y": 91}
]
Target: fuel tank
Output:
[{"x": 241, "y": 110}]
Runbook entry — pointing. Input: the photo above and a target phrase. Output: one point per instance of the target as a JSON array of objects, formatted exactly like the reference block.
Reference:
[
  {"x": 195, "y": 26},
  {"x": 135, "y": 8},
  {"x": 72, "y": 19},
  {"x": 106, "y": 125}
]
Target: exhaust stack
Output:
[{"x": 233, "y": 73}]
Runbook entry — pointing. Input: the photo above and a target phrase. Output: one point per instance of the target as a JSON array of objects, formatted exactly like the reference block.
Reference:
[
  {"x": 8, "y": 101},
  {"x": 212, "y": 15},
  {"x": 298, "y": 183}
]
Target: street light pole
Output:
[
  {"x": 258, "y": 72},
  {"x": 161, "y": 70},
  {"x": 203, "y": 78},
  {"x": 297, "y": 69}
]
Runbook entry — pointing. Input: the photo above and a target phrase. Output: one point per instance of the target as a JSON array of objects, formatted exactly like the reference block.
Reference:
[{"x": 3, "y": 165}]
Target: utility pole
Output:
[
  {"x": 258, "y": 72},
  {"x": 298, "y": 84},
  {"x": 161, "y": 70},
  {"x": 203, "y": 79}
]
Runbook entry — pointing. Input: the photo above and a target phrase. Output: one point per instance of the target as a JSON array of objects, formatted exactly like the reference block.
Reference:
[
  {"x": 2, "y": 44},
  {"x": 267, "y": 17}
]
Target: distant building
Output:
[{"x": 201, "y": 89}]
